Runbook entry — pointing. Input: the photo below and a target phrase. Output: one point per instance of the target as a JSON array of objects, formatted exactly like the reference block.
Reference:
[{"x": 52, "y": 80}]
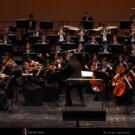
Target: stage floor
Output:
[{"x": 49, "y": 115}]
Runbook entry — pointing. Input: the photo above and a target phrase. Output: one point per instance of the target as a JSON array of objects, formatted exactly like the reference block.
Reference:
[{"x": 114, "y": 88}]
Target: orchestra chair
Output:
[
  {"x": 53, "y": 88},
  {"x": 33, "y": 93}
]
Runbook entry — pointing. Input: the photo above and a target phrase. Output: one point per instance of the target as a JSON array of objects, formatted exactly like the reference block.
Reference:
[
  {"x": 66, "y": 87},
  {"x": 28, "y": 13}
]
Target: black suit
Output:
[
  {"x": 87, "y": 18},
  {"x": 73, "y": 70}
]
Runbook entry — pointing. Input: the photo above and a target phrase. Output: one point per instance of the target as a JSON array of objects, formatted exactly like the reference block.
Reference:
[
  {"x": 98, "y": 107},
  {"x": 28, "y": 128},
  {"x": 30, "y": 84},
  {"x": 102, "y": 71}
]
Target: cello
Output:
[
  {"x": 121, "y": 86},
  {"x": 97, "y": 86}
]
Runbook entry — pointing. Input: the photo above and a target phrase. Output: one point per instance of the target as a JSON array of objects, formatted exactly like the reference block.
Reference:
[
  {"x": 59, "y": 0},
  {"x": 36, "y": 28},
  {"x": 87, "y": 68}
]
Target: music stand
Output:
[
  {"x": 92, "y": 48},
  {"x": 109, "y": 56},
  {"x": 41, "y": 48},
  {"x": 82, "y": 57},
  {"x": 68, "y": 46},
  {"x": 33, "y": 39},
  {"x": 46, "y": 25},
  {"x": 132, "y": 59},
  {"x": 117, "y": 49},
  {"x": 53, "y": 39},
  {"x": 123, "y": 39},
  {"x": 22, "y": 23},
  {"x": 87, "y": 24},
  {"x": 6, "y": 48},
  {"x": 101, "y": 75},
  {"x": 125, "y": 24},
  {"x": 32, "y": 55}
]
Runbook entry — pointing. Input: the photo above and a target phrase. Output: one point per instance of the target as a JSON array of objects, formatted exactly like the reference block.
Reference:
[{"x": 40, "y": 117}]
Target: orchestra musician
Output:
[
  {"x": 3, "y": 96},
  {"x": 81, "y": 33},
  {"x": 114, "y": 40},
  {"x": 87, "y": 17},
  {"x": 61, "y": 33},
  {"x": 8, "y": 64},
  {"x": 132, "y": 33},
  {"x": 93, "y": 40},
  {"x": 72, "y": 69},
  {"x": 106, "y": 33},
  {"x": 43, "y": 39},
  {"x": 107, "y": 69},
  {"x": 120, "y": 67},
  {"x": 132, "y": 51},
  {"x": 105, "y": 48},
  {"x": 69, "y": 39},
  {"x": 28, "y": 48},
  {"x": 6, "y": 40},
  {"x": 31, "y": 66}
]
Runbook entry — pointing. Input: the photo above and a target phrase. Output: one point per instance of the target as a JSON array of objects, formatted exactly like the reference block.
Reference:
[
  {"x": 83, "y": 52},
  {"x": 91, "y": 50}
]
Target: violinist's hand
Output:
[{"x": 109, "y": 66}]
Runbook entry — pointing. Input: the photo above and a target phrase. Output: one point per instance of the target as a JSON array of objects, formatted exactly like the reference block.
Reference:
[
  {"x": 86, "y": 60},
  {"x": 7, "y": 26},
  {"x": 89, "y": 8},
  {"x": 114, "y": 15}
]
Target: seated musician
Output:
[
  {"x": 114, "y": 40},
  {"x": 132, "y": 52},
  {"x": 6, "y": 40},
  {"x": 28, "y": 48},
  {"x": 120, "y": 67},
  {"x": 43, "y": 39},
  {"x": 106, "y": 68},
  {"x": 3, "y": 78},
  {"x": 8, "y": 64},
  {"x": 3, "y": 95},
  {"x": 93, "y": 40},
  {"x": 93, "y": 63},
  {"x": 105, "y": 48},
  {"x": 31, "y": 66},
  {"x": 69, "y": 39}
]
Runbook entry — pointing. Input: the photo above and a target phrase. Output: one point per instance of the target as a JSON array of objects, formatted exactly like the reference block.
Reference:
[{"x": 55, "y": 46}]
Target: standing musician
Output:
[
  {"x": 132, "y": 33},
  {"x": 106, "y": 33},
  {"x": 81, "y": 33},
  {"x": 61, "y": 33}
]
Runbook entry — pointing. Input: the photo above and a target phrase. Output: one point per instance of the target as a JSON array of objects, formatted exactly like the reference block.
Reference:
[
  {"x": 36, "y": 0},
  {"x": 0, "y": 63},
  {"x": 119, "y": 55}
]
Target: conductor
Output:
[{"x": 73, "y": 70}]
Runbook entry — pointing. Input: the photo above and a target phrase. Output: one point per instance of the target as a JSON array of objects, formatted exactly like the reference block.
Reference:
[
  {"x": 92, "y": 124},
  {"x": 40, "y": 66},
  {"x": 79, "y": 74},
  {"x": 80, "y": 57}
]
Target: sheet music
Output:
[{"x": 86, "y": 73}]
